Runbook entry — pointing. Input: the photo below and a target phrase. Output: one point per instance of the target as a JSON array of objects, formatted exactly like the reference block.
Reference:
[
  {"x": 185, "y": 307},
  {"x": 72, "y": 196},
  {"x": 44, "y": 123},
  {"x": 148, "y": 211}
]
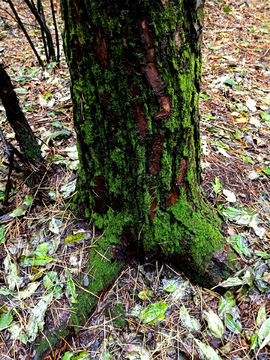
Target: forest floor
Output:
[{"x": 151, "y": 311}]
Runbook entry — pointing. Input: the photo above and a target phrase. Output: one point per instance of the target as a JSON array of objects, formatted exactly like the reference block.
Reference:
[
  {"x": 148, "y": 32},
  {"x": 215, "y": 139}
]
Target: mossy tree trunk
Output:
[{"x": 135, "y": 71}]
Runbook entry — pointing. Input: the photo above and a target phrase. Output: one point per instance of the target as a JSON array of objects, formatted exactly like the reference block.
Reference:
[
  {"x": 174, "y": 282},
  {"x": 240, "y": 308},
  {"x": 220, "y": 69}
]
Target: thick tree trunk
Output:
[
  {"x": 135, "y": 79},
  {"x": 23, "y": 132}
]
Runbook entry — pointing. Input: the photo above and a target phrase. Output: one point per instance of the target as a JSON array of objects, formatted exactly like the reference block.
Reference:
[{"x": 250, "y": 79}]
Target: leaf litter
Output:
[{"x": 43, "y": 249}]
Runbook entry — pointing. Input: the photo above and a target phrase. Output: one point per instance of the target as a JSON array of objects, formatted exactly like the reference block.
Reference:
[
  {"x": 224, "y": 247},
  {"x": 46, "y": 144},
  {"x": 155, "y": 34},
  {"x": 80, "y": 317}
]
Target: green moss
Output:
[
  {"x": 231, "y": 259},
  {"x": 27, "y": 142},
  {"x": 33, "y": 150},
  {"x": 75, "y": 238},
  {"x": 50, "y": 341},
  {"x": 103, "y": 271},
  {"x": 181, "y": 231},
  {"x": 119, "y": 315}
]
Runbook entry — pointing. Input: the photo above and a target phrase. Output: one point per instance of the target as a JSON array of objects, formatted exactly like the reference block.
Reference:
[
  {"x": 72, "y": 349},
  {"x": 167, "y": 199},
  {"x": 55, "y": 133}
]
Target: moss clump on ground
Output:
[
  {"x": 74, "y": 238},
  {"x": 119, "y": 315}
]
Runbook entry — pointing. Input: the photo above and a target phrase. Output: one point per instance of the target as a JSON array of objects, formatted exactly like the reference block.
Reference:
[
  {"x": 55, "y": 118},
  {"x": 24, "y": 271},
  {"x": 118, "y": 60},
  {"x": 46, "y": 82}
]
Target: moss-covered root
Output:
[
  {"x": 50, "y": 341},
  {"x": 190, "y": 238},
  {"x": 103, "y": 271}
]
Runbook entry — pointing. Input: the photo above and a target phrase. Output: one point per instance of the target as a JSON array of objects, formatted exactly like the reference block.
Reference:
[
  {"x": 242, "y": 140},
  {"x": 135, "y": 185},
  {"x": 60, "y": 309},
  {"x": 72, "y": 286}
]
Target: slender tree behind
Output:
[
  {"x": 135, "y": 71},
  {"x": 23, "y": 132}
]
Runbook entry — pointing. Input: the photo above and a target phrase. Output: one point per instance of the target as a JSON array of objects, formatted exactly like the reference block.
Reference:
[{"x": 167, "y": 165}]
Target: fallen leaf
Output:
[
  {"x": 251, "y": 105},
  {"x": 230, "y": 196},
  {"x": 41, "y": 101},
  {"x": 254, "y": 121},
  {"x": 230, "y": 231}
]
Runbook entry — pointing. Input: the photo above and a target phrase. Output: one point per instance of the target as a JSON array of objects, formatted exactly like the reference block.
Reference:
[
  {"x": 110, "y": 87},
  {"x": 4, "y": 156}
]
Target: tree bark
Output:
[
  {"x": 135, "y": 71},
  {"x": 23, "y": 132}
]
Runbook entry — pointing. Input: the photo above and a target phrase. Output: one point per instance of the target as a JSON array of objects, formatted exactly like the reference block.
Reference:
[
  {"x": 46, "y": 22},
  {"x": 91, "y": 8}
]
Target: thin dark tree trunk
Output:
[
  {"x": 25, "y": 33},
  {"x": 23, "y": 132},
  {"x": 40, "y": 10},
  {"x": 43, "y": 26},
  {"x": 56, "y": 32}
]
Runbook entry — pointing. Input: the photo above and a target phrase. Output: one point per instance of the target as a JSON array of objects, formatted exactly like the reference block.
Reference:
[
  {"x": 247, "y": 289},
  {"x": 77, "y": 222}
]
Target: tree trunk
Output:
[
  {"x": 23, "y": 132},
  {"x": 135, "y": 71}
]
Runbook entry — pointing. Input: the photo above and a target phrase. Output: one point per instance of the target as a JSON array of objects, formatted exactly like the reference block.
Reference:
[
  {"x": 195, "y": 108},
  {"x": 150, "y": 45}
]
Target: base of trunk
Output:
[{"x": 188, "y": 239}]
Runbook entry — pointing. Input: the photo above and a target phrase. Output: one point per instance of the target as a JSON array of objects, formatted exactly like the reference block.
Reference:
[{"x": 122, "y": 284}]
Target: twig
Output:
[
  {"x": 267, "y": 51},
  {"x": 6, "y": 12},
  {"x": 37, "y": 192},
  {"x": 5, "y": 17},
  {"x": 244, "y": 2}
]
